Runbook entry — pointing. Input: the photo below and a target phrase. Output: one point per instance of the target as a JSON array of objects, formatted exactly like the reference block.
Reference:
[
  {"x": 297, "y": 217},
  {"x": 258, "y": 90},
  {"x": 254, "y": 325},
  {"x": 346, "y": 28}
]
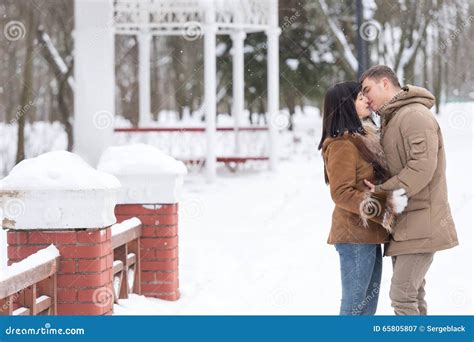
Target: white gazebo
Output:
[{"x": 98, "y": 21}]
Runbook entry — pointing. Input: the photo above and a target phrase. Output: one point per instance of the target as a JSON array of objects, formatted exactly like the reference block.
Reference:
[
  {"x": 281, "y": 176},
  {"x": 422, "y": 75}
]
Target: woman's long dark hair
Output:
[{"x": 340, "y": 114}]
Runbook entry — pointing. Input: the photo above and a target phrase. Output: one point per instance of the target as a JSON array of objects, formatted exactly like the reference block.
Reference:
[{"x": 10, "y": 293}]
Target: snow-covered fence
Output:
[
  {"x": 151, "y": 186},
  {"x": 28, "y": 287},
  {"x": 126, "y": 266}
]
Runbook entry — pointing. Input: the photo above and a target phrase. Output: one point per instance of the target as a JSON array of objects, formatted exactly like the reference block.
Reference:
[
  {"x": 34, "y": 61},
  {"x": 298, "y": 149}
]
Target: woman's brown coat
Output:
[{"x": 358, "y": 215}]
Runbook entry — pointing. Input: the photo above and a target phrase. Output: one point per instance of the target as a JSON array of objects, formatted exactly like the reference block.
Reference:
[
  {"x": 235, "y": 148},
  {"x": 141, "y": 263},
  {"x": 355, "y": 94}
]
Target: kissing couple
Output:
[{"x": 389, "y": 187}]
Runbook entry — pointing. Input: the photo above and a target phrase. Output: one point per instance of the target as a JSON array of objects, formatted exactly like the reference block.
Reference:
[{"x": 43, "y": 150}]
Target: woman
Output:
[{"x": 361, "y": 219}]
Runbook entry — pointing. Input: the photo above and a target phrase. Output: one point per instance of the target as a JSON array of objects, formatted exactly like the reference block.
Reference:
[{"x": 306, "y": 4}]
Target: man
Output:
[{"x": 413, "y": 145}]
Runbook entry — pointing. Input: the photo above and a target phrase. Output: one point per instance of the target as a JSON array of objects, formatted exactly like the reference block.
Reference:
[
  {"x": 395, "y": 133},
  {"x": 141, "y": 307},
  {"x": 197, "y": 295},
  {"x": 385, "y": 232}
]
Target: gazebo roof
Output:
[{"x": 171, "y": 17}]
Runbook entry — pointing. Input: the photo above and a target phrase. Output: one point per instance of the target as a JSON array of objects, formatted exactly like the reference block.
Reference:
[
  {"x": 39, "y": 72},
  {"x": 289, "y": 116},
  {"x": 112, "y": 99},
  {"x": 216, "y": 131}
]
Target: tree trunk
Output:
[
  {"x": 64, "y": 109},
  {"x": 291, "y": 103},
  {"x": 425, "y": 66},
  {"x": 63, "y": 88},
  {"x": 26, "y": 95}
]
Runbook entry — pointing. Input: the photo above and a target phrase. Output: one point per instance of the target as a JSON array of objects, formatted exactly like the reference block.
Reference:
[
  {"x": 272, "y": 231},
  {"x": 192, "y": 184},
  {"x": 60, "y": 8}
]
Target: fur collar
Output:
[
  {"x": 371, "y": 150},
  {"x": 369, "y": 147}
]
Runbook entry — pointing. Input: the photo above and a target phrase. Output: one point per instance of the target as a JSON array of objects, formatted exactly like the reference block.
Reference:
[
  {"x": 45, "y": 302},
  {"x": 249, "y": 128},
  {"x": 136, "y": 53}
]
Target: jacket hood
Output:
[{"x": 410, "y": 94}]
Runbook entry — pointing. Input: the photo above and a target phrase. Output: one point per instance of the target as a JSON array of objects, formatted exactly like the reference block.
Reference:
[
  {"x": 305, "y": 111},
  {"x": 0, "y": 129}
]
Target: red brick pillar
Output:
[
  {"x": 71, "y": 205},
  {"x": 151, "y": 187},
  {"x": 84, "y": 278},
  {"x": 158, "y": 247}
]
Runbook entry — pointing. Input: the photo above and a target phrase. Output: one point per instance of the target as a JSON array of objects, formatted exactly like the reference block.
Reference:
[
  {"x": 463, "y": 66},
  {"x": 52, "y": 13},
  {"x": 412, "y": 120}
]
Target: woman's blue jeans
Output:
[{"x": 361, "y": 273}]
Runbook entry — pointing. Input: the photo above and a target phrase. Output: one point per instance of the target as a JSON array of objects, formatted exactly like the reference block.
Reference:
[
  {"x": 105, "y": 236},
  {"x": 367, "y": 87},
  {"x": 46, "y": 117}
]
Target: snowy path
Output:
[{"x": 255, "y": 243}]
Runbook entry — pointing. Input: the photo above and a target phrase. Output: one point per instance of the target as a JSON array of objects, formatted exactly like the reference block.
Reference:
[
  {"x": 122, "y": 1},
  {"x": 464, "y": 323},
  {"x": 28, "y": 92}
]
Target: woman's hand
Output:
[{"x": 369, "y": 185}]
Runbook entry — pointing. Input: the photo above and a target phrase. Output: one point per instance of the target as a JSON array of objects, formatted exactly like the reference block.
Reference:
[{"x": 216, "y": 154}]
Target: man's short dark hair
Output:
[{"x": 378, "y": 72}]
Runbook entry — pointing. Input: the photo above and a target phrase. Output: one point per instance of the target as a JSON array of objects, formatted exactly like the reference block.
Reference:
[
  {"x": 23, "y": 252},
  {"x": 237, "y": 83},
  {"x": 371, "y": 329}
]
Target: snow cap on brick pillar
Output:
[
  {"x": 58, "y": 190},
  {"x": 147, "y": 175},
  {"x": 57, "y": 198},
  {"x": 152, "y": 182}
]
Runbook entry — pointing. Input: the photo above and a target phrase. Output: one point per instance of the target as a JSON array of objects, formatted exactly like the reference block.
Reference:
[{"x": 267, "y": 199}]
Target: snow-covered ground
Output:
[{"x": 254, "y": 242}]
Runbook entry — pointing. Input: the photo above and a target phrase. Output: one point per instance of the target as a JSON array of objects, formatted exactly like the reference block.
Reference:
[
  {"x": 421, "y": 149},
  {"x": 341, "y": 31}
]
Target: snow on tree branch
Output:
[
  {"x": 341, "y": 38},
  {"x": 55, "y": 58}
]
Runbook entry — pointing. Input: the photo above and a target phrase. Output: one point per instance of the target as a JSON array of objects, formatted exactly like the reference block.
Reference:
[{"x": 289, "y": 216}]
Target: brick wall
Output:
[
  {"x": 158, "y": 247},
  {"x": 84, "y": 278}
]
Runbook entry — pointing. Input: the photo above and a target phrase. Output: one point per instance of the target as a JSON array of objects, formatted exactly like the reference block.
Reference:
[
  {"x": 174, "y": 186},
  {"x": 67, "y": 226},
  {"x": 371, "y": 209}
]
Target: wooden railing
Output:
[
  {"x": 29, "y": 292},
  {"x": 126, "y": 266}
]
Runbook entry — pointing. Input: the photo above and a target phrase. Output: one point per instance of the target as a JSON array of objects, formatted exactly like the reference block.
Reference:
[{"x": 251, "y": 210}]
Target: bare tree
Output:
[
  {"x": 63, "y": 74},
  {"x": 27, "y": 89}
]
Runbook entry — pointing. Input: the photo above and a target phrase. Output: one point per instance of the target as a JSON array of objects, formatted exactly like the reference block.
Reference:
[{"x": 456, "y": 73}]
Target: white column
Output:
[
  {"x": 238, "y": 96},
  {"x": 210, "y": 30},
  {"x": 273, "y": 82},
  {"x": 144, "y": 42},
  {"x": 94, "y": 73}
]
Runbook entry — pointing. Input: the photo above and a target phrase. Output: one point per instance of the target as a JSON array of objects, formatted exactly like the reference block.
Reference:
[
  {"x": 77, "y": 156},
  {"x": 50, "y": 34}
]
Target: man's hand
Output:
[{"x": 369, "y": 185}]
